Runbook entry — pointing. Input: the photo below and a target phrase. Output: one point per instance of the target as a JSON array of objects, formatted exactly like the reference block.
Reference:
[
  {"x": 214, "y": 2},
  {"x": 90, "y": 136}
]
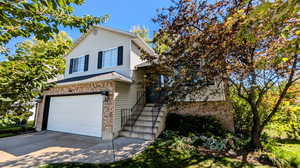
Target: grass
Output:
[
  {"x": 283, "y": 148},
  {"x": 16, "y": 130},
  {"x": 288, "y": 150},
  {"x": 195, "y": 162},
  {"x": 7, "y": 135}
]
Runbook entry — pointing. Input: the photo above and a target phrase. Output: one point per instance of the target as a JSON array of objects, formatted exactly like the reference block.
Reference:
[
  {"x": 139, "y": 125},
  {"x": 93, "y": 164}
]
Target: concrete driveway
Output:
[{"x": 33, "y": 150}]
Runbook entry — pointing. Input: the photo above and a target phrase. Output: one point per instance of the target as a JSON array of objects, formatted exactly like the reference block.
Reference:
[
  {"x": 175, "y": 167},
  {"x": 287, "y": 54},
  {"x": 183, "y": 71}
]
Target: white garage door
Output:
[{"x": 76, "y": 114}]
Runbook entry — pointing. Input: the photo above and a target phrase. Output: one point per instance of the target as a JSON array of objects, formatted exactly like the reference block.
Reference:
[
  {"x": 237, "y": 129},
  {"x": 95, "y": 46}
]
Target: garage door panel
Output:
[{"x": 76, "y": 114}]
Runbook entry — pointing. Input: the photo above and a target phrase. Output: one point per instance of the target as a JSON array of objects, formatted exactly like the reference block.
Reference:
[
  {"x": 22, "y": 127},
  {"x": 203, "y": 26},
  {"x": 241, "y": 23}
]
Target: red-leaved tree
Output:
[{"x": 251, "y": 45}]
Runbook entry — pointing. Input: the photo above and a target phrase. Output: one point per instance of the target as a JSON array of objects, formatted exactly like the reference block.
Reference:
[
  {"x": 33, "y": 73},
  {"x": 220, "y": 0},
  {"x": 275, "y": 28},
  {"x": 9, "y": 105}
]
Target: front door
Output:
[{"x": 153, "y": 91}]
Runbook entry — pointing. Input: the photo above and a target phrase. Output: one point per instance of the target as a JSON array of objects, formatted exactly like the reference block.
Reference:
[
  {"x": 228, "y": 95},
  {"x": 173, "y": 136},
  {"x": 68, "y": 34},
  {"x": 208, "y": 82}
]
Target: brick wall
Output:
[
  {"x": 109, "y": 103},
  {"x": 222, "y": 110}
]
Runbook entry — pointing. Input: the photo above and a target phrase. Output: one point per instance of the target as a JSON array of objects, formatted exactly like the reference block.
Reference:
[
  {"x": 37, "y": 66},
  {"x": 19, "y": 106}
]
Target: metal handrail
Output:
[
  {"x": 129, "y": 116},
  {"x": 157, "y": 108}
]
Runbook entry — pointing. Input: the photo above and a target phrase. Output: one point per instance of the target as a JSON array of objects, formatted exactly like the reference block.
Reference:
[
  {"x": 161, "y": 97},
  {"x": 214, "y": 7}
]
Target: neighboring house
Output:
[{"x": 102, "y": 93}]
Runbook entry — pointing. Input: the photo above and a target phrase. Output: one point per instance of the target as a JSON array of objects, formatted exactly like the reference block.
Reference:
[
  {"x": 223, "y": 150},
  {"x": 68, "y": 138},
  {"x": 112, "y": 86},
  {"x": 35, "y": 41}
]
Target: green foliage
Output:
[
  {"x": 13, "y": 130},
  {"x": 287, "y": 121},
  {"x": 27, "y": 73},
  {"x": 203, "y": 131},
  {"x": 283, "y": 153},
  {"x": 284, "y": 124},
  {"x": 199, "y": 125},
  {"x": 10, "y": 120},
  {"x": 7, "y": 135},
  {"x": 242, "y": 113},
  {"x": 142, "y": 32},
  {"x": 41, "y": 18},
  {"x": 213, "y": 142}
]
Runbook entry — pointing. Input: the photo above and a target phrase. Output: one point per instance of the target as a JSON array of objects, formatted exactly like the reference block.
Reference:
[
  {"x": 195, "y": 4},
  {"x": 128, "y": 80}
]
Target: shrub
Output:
[
  {"x": 213, "y": 143},
  {"x": 199, "y": 125},
  {"x": 242, "y": 113},
  {"x": 9, "y": 120}
]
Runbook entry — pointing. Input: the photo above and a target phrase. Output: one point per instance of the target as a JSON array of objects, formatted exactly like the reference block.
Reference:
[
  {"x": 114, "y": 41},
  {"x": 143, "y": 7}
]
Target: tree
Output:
[
  {"x": 143, "y": 32},
  {"x": 287, "y": 120},
  {"x": 28, "y": 71},
  {"x": 40, "y": 18},
  {"x": 234, "y": 42}
]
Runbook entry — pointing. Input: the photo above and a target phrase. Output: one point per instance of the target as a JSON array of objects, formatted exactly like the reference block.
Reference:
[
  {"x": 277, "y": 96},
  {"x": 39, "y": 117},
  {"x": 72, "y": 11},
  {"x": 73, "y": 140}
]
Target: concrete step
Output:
[
  {"x": 149, "y": 105},
  {"x": 141, "y": 135},
  {"x": 148, "y": 108},
  {"x": 140, "y": 128},
  {"x": 149, "y": 117},
  {"x": 150, "y": 113},
  {"x": 146, "y": 123}
]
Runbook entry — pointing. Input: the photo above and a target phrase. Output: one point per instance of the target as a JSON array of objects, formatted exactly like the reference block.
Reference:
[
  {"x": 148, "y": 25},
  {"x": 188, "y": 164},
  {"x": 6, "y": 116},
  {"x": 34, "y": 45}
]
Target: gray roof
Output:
[{"x": 80, "y": 78}]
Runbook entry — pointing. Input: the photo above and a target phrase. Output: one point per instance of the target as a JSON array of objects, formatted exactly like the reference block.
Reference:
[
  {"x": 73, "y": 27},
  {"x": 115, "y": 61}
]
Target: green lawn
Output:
[
  {"x": 193, "y": 162},
  {"x": 16, "y": 130},
  {"x": 283, "y": 149},
  {"x": 7, "y": 135},
  {"x": 288, "y": 150}
]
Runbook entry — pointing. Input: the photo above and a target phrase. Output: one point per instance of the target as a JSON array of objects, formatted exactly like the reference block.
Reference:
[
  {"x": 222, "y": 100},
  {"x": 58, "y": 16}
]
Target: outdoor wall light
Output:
[{"x": 37, "y": 99}]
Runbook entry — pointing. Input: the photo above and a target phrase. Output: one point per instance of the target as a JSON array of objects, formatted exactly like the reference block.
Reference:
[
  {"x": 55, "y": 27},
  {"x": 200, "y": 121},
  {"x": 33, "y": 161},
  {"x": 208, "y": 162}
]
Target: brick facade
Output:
[
  {"x": 222, "y": 110},
  {"x": 108, "y": 105}
]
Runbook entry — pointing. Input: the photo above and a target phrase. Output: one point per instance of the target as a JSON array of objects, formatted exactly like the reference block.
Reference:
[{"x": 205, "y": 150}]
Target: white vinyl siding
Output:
[
  {"x": 126, "y": 97},
  {"x": 101, "y": 40},
  {"x": 135, "y": 57}
]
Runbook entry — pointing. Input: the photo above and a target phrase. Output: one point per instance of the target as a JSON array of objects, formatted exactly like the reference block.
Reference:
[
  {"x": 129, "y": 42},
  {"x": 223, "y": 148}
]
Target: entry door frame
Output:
[
  {"x": 151, "y": 93},
  {"x": 48, "y": 99}
]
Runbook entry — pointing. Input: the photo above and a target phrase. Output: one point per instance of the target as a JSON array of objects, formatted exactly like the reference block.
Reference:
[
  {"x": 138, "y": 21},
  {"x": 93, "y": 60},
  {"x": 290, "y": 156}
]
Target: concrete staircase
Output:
[{"x": 143, "y": 126}]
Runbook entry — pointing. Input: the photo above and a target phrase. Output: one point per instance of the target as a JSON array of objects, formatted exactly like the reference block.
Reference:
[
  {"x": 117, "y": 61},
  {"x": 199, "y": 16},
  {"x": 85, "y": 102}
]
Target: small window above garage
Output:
[{"x": 79, "y": 64}]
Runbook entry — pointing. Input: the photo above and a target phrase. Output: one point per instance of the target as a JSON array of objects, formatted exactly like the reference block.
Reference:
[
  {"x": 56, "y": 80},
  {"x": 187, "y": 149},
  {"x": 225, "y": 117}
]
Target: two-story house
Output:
[{"x": 102, "y": 93}]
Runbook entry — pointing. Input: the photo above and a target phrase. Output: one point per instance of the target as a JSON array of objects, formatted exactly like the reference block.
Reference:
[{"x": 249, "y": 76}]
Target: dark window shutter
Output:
[
  {"x": 86, "y": 63},
  {"x": 100, "y": 54},
  {"x": 71, "y": 66},
  {"x": 120, "y": 55}
]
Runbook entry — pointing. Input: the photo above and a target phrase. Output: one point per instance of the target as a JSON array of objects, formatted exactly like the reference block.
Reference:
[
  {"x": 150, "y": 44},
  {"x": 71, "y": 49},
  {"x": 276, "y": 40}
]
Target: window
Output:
[
  {"x": 79, "y": 64},
  {"x": 110, "y": 58}
]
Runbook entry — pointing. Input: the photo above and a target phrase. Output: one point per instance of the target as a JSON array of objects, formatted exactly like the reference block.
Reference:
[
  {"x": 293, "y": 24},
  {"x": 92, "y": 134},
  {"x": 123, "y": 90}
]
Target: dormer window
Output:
[{"x": 79, "y": 64}]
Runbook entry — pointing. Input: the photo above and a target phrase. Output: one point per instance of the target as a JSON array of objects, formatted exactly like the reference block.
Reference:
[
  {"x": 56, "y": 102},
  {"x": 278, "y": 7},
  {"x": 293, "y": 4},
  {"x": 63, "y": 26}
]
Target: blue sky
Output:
[{"x": 123, "y": 14}]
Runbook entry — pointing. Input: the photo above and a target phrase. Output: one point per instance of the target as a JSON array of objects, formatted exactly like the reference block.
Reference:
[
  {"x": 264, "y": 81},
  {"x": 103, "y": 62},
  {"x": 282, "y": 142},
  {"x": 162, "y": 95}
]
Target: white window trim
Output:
[
  {"x": 78, "y": 64},
  {"x": 111, "y": 60}
]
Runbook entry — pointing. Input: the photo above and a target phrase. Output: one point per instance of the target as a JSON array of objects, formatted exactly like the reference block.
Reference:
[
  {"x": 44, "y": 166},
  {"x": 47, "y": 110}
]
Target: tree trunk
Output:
[
  {"x": 256, "y": 129},
  {"x": 255, "y": 137}
]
